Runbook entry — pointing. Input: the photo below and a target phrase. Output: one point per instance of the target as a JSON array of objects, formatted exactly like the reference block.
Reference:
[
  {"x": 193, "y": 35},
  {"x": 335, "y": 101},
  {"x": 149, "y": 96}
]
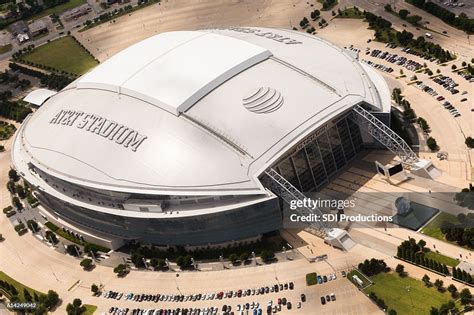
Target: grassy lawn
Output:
[
  {"x": 393, "y": 290},
  {"x": 6, "y": 48},
  {"x": 63, "y": 54},
  {"x": 351, "y": 13},
  {"x": 90, "y": 309},
  {"x": 442, "y": 259},
  {"x": 20, "y": 287},
  {"x": 433, "y": 228},
  {"x": 365, "y": 281},
  {"x": 59, "y": 9}
]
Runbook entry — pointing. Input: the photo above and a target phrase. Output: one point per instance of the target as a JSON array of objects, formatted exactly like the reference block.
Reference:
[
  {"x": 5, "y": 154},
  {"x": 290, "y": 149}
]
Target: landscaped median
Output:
[
  {"x": 72, "y": 238},
  {"x": 311, "y": 278}
]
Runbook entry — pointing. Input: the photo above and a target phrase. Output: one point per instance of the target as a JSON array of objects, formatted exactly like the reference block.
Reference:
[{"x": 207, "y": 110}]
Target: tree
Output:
[
  {"x": 72, "y": 250},
  {"x": 422, "y": 244},
  {"x": 454, "y": 67},
  {"x": 94, "y": 288},
  {"x": 121, "y": 270},
  {"x": 403, "y": 13},
  {"x": 52, "y": 298},
  {"x": 434, "y": 311},
  {"x": 465, "y": 296},
  {"x": 17, "y": 203},
  {"x": 432, "y": 144},
  {"x": 438, "y": 284},
  {"x": 452, "y": 289},
  {"x": 426, "y": 280},
  {"x": 20, "y": 191},
  {"x": 233, "y": 258},
  {"x": 267, "y": 255},
  {"x": 388, "y": 8},
  {"x": 13, "y": 175},
  {"x": 33, "y": 225},
  {"x": 400, "y": 269},
  {"x": 392, "y": 312},
  {"x": 86, "y": 264},
  {"x": 244, "y": 257},
  {"x": 75, "y": 308}
]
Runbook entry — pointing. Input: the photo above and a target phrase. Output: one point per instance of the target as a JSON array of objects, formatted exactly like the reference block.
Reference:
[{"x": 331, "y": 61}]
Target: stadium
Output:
[{"x": 169, "y": 141}]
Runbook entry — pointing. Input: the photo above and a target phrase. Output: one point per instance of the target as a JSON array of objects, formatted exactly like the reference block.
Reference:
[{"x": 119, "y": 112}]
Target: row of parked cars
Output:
[
  {"x": 395, "y": 59},
  {"x": 421, "y": 55},
  {"x": 378, "y": 66},
  {"x": 426, "y": 88},
  {"x": 447, "y": 83},
  {"x": 252, "y": 308},
  {"x": 178, "y": 311},
  {"x": 198, "y": 297},
  {"x": 453, "y": 110},
  {"x": 328, "y": 298},
  {"x": 466, "y": 76}
]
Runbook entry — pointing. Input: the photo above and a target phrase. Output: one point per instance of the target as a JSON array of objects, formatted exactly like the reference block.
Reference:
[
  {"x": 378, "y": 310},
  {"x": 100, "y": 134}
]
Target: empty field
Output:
[{"x": 63, "y": 54}]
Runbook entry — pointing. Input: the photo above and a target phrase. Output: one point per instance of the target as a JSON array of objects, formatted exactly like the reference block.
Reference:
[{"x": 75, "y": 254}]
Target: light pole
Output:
[
  {"x": 284, "y": 250},
  {"x": 222, "y": 261},
  {"x": 194, "y": 263},
  {"x": 408, "y": 290},
  {"x": 254, "y": 258},
  {"x": 167, "y": 262},
  {"x": 145, "y": 263}
]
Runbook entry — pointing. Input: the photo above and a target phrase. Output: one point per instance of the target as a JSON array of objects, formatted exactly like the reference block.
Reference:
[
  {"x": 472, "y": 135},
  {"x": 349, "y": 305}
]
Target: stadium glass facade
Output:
[{"x": 312, "y": 163}]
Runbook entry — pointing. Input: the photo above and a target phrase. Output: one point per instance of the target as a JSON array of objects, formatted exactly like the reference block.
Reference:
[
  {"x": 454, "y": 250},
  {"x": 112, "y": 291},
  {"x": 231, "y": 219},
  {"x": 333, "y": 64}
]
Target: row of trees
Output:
[
  {"x": 462, "y": 233},
  {"x": 462, "y": 275},
  {"x": 462, "y": 21},
  {"x": 384, "y": 32},
  {"x": 415, "y": 252},
  {"x": 266, "y": 246},
  {"x": 52, "y": 81},
  {"x": 466, "y": 199},
  {"x": 380, "y": 302}
]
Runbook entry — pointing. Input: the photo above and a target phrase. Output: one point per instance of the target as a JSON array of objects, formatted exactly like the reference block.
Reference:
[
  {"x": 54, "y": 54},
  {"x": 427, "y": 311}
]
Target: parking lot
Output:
[{"x": 332, "y": 294}]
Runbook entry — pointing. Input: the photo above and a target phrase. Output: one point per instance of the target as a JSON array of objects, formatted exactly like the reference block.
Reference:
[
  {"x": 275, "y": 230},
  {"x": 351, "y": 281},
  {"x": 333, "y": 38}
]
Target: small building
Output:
[
  {"x": 38, "y": 27},
  {"x": 77, "y": 12},
  {"x": 19, "y": 27}
]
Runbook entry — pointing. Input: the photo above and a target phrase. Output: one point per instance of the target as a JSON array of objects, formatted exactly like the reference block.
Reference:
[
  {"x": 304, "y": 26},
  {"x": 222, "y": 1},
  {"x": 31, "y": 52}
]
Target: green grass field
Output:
[
  {"x": 433, "y": 228},
  {"x": 442, "y": 259},
  {"x": 393, "y": 289},
  {"x": 62, "y": 54},
  {"x": 20, "y": 287},
  {"x": 59, "y": 9},
  {"x": 90, "y": 309},
  {"x": 6, "y": 48}
]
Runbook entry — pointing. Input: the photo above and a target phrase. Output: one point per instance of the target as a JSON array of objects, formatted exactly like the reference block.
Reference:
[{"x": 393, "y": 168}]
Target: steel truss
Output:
[
  {"x": 288, "y": 192},
  {"x": 384, "y": 135}
]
